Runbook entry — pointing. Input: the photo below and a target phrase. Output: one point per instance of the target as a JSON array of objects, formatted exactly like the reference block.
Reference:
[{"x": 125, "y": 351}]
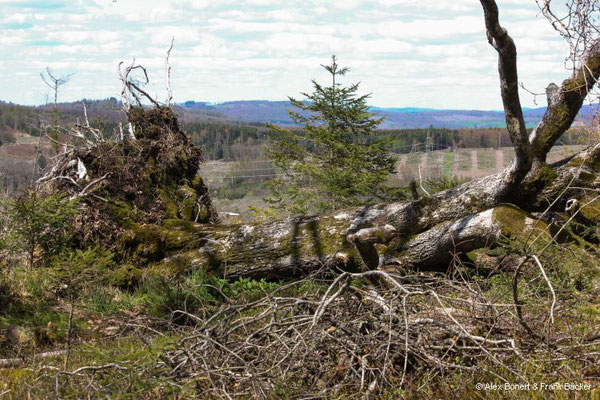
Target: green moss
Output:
[
  {"x": 150, "y": 242},
  {"x": 547, "y": 173},
  {"x": 127, "y": 239},
  {"x": 516, "y": 223},
  {"x": 171, "y": 209},
  {"x": 126, "y": 275},
  {"x": 203, "y": 214},
  {"x": 510, "y": 218},
  {"x": 198, "y": 183},
  {"x": 179, "y": 224},
  {"x": 591, "y": 211},
  {"x": 169, "y": 203},
  {"x": 171, "y": 267},
  {"x": 188, "y": 204},
  {"x": 542, "y": 177},
  {"x": 181, "y": 202},
  {"x": 175, "y": 240},
  {"x": 153, "y": 242},
  {"x": 123, "y": 212}
]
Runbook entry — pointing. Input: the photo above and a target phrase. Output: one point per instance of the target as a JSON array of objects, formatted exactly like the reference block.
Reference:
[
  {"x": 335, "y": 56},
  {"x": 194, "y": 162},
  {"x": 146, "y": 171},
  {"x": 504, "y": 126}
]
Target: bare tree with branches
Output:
[{"x": 54, "y": 82}]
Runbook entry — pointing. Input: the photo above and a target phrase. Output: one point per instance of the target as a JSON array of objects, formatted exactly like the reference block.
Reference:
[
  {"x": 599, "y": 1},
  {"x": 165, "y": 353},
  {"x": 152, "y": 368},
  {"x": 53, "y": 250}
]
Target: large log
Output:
[{"x": 424, "y": 234}]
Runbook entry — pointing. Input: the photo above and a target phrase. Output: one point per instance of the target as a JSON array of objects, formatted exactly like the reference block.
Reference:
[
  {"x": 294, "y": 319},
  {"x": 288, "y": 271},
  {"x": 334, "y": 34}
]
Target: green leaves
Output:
[{"x": 336, "y": 159}]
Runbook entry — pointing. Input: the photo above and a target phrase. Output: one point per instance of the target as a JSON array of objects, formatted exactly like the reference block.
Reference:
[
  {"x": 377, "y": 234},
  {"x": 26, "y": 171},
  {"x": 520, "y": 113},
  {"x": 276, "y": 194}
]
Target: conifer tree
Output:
[
  {"x": 335, "y": 160},
  {"x": 38, "y": 225}
]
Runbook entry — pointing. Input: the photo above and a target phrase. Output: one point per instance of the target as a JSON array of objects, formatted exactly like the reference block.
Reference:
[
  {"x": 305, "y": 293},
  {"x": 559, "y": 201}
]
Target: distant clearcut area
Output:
[{"x": 449, "y": 144}]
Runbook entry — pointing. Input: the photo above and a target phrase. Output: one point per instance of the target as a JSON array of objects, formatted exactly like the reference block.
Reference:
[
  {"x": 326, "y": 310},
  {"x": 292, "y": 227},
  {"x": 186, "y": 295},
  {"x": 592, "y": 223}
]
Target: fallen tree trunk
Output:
[{"x": 424, "y": 234}]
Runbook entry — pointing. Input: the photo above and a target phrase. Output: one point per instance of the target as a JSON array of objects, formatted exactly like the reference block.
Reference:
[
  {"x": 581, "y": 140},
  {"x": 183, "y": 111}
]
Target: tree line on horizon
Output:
[{"x": 230, "y": 140}]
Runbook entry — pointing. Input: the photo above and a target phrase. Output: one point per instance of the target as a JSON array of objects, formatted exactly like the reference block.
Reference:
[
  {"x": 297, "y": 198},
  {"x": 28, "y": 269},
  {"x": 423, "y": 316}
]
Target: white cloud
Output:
[{"x": 406, "y": 52}]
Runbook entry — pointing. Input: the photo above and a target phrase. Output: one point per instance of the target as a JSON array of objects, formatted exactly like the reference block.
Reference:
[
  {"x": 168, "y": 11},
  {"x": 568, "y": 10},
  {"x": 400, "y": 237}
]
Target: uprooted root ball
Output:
[{"x": 134, "y": 181}]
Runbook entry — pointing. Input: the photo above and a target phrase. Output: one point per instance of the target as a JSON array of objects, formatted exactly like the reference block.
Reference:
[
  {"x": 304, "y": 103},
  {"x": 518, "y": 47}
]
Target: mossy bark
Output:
[
  {"x": 424, "y": 234},
  {"x": 275, "y": 250}
]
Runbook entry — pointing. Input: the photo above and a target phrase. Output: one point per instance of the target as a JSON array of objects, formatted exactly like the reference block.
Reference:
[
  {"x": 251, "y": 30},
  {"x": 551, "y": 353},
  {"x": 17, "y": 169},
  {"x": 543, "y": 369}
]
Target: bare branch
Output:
[
  {"x": 565, "y": 103},
  {"x": 543, "y": 271},
  {"x": 54, "y": 82},
  {"x": 499, "y": 38},
  {"x": 168, "y": 73},
  {"x": 123, "y": 75}
]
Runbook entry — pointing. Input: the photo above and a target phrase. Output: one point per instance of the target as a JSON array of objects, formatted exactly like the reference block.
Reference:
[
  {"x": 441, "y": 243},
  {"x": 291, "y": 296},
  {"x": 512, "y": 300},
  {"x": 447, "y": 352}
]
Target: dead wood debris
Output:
[
  {"x": 141, "y": 179},
  {"x": 353, "y": 339}
]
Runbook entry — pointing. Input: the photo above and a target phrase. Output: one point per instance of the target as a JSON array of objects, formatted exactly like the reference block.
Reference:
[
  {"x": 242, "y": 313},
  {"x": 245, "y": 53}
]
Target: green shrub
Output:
[
  {"x": 102, "y": 301},
  {"x": 250, "y": 289},
  {"x": 164, "y": 297},
  {"x": 38, "y": 225},
  {"x": 75, "y": 270}
]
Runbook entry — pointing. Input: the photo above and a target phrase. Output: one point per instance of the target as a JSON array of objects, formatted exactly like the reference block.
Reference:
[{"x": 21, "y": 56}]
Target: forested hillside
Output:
[
  {"x": 396, "y": 118},
  {"x": 231, "y": 140}
]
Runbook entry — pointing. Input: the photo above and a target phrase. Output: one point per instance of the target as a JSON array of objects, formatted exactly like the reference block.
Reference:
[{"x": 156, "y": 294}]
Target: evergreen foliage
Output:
[
  {"x": 333, "y": 161},
  {"x": 38, "y": 225},
  {"x": 75, "y": 269}
]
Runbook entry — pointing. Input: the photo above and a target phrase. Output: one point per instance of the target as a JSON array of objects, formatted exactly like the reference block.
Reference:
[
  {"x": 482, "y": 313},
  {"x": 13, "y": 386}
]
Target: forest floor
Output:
[{"x": 195, "y": 336}]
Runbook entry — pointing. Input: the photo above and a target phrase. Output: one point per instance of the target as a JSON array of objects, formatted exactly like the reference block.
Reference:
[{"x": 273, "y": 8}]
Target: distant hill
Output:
[
  {"x": 396, "y": 118},
  {"x": 248, "y": 111},
  {"x": 259, "y": 112}
]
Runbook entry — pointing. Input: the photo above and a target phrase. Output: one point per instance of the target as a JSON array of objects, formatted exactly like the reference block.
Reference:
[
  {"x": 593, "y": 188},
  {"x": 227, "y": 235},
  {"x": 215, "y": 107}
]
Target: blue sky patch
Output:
[
  {"x": 17, "y": 25},
  {"x": 41, "y": 4}
]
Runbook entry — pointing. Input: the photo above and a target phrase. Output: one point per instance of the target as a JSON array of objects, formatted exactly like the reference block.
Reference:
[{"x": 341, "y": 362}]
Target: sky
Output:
[{"x": 406, "y": 53}]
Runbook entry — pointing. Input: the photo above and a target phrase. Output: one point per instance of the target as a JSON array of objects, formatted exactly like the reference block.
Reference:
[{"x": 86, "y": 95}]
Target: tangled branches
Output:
[
  {"x": 140, "y": 177},
  {"x": 577, "y": 22},
  {"x": 352, "y": 339},
  {"x": 340, "y": 335}
]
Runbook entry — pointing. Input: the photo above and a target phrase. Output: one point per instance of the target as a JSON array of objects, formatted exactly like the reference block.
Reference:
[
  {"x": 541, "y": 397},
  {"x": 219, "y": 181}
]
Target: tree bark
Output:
[
  {"x": 564, "y": 103},
  {"x": 499, "y": 38},
  {"x": 423, "y": 234}
]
